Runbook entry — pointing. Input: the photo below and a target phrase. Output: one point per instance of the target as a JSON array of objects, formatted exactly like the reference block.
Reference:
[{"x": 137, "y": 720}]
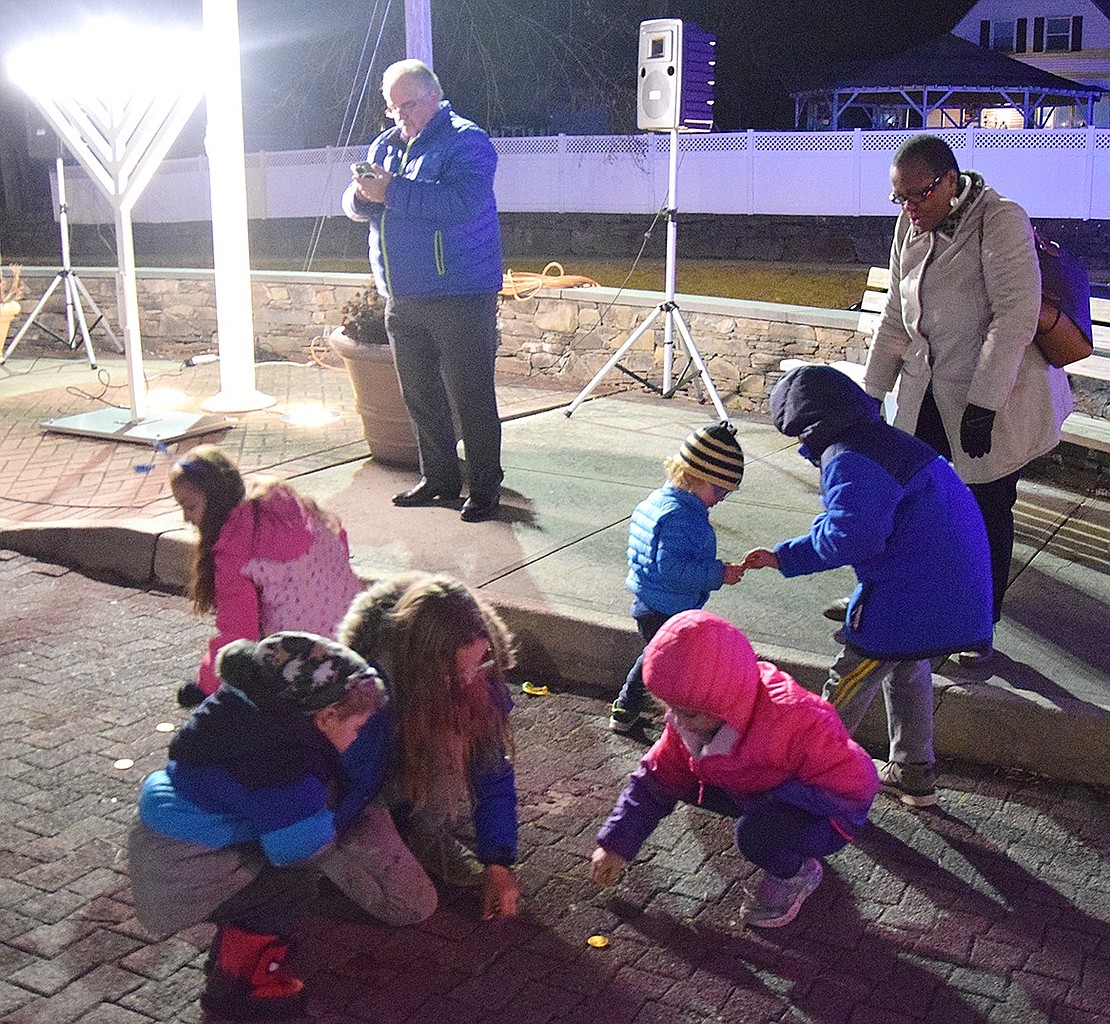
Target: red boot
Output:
[{"x": 249, "y": 980}]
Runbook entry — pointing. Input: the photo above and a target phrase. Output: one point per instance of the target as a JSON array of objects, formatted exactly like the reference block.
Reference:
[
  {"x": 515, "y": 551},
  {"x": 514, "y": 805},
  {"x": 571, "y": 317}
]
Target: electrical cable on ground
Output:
[{"x": 523, "y": 285}]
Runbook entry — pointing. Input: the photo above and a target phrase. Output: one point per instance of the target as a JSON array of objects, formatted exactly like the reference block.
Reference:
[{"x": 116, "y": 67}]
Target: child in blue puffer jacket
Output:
[
  {"x": 672, "y": 549},
  {"x": 898, "y": 514},
  {"x": 255, "y": 789}
]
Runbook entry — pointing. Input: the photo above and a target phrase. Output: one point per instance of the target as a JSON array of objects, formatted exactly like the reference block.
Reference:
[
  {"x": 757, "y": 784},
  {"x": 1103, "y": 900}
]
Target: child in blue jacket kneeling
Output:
[{"x": 252, "y": 800}]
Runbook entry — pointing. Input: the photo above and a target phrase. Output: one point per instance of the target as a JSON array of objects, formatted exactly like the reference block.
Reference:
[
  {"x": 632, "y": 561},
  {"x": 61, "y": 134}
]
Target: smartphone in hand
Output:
[{"x": 363, "y": 169}]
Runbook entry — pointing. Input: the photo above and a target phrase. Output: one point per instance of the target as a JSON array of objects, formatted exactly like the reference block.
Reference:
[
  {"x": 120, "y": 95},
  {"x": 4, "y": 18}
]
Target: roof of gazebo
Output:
[{"x": 946, "y": 63}]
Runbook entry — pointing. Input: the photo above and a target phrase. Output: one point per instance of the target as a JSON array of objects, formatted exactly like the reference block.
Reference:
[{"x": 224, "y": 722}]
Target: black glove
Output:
[{"x": 975, "y": 430}]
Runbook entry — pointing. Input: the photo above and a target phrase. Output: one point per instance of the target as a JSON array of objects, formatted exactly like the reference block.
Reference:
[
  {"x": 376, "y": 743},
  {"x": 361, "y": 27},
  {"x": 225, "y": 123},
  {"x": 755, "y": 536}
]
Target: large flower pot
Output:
[
  {"x": 385, "y": 420},
  {"x": 8, "y": 312}
]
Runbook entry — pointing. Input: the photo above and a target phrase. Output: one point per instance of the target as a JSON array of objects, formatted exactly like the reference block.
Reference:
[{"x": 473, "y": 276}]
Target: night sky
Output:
[
  {"x": 300, "y": 68},
  {"x": 540, "y": 67}
]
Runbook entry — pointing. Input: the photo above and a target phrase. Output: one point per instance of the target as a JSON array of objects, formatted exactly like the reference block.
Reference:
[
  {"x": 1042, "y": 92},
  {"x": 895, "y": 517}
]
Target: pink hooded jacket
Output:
[
  {"x": 278, "y": 566},
  {"x": 778, "y": 739}
]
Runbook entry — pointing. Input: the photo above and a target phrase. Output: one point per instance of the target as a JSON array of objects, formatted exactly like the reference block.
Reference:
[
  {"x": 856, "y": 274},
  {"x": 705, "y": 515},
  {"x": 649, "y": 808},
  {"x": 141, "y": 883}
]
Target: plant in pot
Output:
[
  {"x": 362, "y": 344},
  {"x": 11, "y": 291}
]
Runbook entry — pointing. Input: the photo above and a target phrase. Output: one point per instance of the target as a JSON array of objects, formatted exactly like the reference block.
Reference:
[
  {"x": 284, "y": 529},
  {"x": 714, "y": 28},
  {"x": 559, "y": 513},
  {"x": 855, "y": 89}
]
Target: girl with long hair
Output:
[
  {"x": 445, "y": 653},
  {"x": 267, "y": 558}
]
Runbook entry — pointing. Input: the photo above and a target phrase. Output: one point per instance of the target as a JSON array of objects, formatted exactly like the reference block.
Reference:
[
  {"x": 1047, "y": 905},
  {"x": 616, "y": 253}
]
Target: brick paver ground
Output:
[{"x": 996, "y": 908}]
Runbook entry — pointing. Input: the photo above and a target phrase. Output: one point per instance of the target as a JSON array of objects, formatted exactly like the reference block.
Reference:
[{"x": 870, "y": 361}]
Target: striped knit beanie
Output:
[{"x": 714, "y": 454}]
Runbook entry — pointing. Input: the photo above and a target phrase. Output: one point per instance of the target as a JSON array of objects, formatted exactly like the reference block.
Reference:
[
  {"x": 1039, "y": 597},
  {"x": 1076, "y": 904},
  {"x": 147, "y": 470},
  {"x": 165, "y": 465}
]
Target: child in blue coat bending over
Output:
[
  {"x": 898, "y": 514},
  {"x": 744, "y": 738},
  {"x": 672, "y": 549}
]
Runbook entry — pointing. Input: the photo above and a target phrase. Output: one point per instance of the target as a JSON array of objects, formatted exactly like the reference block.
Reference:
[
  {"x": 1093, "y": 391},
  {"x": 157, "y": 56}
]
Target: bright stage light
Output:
[
  {"x": 109, "y": 57},
  {"x": 118, "y": 95}
]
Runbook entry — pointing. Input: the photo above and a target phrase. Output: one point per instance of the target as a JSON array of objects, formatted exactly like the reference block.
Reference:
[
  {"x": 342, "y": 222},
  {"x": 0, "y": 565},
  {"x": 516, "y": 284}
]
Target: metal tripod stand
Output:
[
  {"x": 74, "y": 290},
  {"x": 669, "y": 310}
]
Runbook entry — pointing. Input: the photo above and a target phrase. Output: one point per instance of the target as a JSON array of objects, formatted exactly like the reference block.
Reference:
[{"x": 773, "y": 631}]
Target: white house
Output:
[{"x": 1069, "y": 38}]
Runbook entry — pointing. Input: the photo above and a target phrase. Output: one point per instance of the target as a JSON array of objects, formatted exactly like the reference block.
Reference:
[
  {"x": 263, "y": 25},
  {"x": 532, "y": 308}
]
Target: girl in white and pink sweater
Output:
[{"x": 268, "y": 559}]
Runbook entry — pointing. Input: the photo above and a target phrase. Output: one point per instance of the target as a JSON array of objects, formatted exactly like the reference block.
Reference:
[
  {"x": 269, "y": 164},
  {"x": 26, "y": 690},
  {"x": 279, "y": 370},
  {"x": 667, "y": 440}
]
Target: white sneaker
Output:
[
  {"x": 778, "y": 900},
  {"x": 980, "y": 660}
]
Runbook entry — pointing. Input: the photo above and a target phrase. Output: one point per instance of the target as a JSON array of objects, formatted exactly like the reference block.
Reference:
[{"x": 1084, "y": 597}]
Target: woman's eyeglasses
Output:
[{"x": 917, "y": 197}]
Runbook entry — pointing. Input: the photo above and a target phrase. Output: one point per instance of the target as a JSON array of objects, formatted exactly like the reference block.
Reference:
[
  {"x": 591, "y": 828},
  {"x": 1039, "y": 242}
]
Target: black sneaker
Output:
[
  {"x": 836, "y": 611},
  {"x": 621, "y": 719},
  {"x": 913, "y": 784}
]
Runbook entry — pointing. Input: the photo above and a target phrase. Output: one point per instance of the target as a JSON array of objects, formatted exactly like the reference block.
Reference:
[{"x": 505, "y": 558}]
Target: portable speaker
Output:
[{"x": 676, "y": 76}]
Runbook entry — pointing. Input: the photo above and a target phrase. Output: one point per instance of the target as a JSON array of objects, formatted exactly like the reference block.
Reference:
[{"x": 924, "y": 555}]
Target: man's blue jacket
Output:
[{"x": 437, "y": 232}]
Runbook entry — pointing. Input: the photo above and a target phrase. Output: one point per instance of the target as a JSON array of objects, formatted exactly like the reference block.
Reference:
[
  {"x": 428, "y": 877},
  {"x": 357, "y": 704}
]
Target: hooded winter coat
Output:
[
  {"x": 243, "y": 787},
  {"x": 961, "y": 315},
  {"x": 777, "y": 740},
  {"x": 278, "y": 566},
  {"x": 895, "y": 512}
]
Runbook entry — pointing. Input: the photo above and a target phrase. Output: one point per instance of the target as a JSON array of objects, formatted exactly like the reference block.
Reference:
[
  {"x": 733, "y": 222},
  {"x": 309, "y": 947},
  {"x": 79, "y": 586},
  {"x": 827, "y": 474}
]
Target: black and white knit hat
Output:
[
  {"x": 714, "y": 454},
  {"x": 296, "y": 670}
]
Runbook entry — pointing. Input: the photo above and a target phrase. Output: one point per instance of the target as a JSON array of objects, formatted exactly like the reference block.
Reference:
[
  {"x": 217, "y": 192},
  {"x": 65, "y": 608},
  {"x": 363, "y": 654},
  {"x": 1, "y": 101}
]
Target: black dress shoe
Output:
[
  {"x": 480, "y": 507},
  {"x": 424, "y": 493}
]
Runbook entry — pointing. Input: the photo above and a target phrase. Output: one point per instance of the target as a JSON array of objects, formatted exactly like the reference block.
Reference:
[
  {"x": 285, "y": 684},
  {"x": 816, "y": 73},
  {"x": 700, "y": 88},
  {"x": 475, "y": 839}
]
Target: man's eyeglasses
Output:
[
  {"x": 918, "y": 197},
  {"x": 404, "y": 109}
]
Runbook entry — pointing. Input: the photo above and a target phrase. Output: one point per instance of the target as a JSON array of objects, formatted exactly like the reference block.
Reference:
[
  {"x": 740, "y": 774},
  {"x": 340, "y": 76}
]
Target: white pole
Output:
[
  {"x": 223, "y": 142},
  {"x": 127, "y": 296},
  {"x": 672, "y": 261},
  {"x": 418, "y": 30}
]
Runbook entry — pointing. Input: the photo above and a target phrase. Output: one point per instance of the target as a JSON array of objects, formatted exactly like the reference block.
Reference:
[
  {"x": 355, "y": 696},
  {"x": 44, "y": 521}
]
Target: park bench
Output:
[{"x": 1079, "y": 428}]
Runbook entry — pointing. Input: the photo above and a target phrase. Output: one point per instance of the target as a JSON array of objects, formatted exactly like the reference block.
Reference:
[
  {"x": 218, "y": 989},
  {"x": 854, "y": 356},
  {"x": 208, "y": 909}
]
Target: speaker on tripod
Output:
[
  {"x": 676, "y": 76},
  {"x": 675, "y": 84}
]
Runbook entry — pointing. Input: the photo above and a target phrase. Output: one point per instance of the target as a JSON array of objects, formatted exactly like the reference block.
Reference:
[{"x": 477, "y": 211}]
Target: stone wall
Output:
[
  {"x": 569, "y": 335},
  {"x": 177, "y": 309},
  {"x": 565, "y": 335}
]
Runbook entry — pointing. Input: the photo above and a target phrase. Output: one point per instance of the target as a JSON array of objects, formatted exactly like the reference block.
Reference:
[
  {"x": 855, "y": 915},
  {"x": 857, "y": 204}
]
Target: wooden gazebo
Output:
[{"x": 942, "y": 74}]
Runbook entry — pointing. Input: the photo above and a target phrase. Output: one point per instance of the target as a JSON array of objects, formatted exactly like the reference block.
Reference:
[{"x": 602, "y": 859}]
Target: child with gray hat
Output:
[
  {"x": 672, "y": 550},
  {"x": 253, "y": 790}
]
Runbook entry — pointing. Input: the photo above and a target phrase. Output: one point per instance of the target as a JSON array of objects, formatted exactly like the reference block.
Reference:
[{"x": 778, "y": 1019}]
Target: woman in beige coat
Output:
[{"x": 957, "y": 332}]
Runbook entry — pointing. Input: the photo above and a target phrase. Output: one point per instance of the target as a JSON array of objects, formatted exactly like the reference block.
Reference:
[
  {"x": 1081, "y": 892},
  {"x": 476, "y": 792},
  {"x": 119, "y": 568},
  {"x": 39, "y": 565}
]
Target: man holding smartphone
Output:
[{"x": 435, "y": 250}]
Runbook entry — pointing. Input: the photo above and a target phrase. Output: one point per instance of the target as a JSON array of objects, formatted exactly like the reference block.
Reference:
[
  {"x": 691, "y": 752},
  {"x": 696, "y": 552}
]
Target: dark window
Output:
[
  {"x": 1057, "y": 34},
  {"x": 1002, "y": 36},
  {"x": 984, "y": 33},
  {"x": 1077, "y": 32},
  {"x": 1038, "y": 34},
  {"x": 1020, "y": 43}
]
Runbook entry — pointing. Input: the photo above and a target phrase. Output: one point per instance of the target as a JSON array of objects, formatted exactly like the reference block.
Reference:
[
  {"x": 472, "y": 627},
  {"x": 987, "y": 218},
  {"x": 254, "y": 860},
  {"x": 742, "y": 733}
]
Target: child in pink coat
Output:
[
  {"x": 743, "y": 737},
  {"x": 268, "y": 559}
]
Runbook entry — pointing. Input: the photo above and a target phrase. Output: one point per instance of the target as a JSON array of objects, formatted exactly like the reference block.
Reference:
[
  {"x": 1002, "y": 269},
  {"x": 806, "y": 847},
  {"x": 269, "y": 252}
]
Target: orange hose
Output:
[{"x": 523, "y": 285}]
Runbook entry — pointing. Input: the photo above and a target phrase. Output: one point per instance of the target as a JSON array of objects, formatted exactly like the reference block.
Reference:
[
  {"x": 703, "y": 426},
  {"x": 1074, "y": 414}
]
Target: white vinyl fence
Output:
[{"x": 1058, "y": 174}]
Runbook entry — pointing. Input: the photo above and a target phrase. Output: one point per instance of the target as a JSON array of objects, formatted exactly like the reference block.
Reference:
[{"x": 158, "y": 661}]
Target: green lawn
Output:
[
  {"x": 826, "y": 286},
  {"x": 822, "y": 285}
]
